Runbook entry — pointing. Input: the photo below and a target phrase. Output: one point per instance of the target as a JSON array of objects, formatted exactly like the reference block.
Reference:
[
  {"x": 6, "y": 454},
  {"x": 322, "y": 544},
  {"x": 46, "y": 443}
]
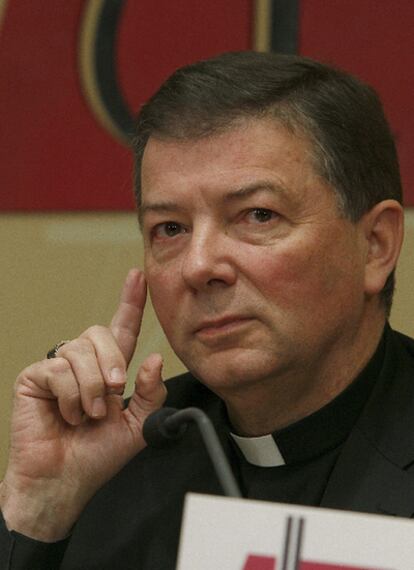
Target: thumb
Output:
[{"x": 150, "y": 392}]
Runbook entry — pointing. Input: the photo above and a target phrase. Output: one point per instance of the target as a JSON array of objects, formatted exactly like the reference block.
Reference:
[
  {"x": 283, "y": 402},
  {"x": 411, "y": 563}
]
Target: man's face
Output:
[{"x": 252, "y": 270}]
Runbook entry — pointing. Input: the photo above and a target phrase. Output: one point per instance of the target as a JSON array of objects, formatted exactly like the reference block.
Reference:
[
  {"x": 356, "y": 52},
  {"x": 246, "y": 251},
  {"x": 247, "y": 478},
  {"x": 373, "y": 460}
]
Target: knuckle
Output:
[
  {"x": 146, "y": 371},
  {"x": 57, "y": 370},
  {"x": 92, "y": 386},
  {"x": 94, "y": 331},
  {"x": 78, "y": 346},
  {"x": 42, "y": 374},
  {"x": 114, "y": 359},
  {"x": 145, "y": 368},
  {"x": 21, "y": 377},
  {"x": 21, "y": 380},
  {"x": 73, "y": 399},
  {"x": 46, "y": 368},
  {"x": 56, "y": 366}
]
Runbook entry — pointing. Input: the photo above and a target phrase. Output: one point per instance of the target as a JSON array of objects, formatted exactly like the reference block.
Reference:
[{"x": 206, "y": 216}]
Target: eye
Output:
[
  {"x": 168, "y": 230},
  {"x": 261, "y": 215}
]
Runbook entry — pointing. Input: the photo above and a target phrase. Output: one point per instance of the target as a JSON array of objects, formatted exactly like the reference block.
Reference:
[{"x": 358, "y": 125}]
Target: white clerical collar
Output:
[{"x": 261, "y": 451}]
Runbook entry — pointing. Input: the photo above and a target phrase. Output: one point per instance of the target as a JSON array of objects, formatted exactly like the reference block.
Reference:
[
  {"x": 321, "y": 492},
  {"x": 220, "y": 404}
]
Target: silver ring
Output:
[{"x": 53, "y": 351}]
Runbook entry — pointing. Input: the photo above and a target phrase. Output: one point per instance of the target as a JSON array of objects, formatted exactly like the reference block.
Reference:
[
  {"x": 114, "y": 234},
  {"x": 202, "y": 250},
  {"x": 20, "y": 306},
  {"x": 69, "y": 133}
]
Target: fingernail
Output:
[
  {"x": 117, "y": 376},
  {"x": 98, "y": 407}
]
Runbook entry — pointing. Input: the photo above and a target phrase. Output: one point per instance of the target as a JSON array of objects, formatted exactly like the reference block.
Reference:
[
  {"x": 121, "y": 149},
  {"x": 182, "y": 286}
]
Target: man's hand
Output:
[{"x": 70, "y": 432}]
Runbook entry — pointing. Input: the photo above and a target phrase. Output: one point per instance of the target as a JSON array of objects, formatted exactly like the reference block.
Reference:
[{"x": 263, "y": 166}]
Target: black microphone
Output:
[
  {"x": 168, "y": 424},
  {"x": 157, "y": 430}
]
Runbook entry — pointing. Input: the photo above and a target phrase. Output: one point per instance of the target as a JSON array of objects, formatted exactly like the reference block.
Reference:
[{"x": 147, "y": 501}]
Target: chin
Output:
[{"x": 227, "y": 371}]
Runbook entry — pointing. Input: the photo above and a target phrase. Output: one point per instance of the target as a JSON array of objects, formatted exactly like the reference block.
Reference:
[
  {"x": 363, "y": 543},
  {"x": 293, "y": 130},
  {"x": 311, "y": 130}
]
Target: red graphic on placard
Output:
[{"x": 258, "y": 562}]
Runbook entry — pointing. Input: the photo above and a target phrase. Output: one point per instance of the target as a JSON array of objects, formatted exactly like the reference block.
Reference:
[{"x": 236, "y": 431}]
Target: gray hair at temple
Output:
[{"x": 343, "y": 119}]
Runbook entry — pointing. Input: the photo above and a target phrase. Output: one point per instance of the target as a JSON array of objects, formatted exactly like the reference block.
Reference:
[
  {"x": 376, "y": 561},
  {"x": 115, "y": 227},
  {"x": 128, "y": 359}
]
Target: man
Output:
[{"x": 269, "y": 199}]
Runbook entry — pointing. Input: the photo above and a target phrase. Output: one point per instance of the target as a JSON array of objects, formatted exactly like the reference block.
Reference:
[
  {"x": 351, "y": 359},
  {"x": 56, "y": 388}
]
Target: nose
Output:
[{"x": 209, "y": 260}]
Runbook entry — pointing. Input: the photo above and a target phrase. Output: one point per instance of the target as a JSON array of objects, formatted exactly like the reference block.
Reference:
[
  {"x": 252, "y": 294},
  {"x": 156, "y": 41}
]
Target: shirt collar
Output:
[{"x": 262, "y": 451}]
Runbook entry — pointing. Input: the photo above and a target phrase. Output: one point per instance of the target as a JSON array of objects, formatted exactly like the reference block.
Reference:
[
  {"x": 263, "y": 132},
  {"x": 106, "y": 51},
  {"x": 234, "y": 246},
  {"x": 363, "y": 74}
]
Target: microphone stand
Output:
[{"x": 170, "y": 424}]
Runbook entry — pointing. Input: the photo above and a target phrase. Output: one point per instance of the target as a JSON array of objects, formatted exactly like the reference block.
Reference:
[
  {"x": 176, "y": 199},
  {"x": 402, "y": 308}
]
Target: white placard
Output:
[{"x": 237, "y": 534}]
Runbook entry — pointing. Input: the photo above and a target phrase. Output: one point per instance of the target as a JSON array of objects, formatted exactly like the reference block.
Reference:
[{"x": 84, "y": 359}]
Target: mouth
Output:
[{"x": 223, "y": 326}]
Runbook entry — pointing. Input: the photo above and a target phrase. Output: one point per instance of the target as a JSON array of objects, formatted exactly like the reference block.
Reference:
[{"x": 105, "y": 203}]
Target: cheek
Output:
[
  {"x": 298, "y": 274},
  {"x": 163, "y": 289},
  {"x": 281, "y": 267}
]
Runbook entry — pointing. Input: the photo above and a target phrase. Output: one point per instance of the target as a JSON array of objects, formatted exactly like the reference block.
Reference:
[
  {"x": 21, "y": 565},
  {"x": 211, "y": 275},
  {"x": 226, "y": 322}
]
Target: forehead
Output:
[{"x": 254, "y": 150}]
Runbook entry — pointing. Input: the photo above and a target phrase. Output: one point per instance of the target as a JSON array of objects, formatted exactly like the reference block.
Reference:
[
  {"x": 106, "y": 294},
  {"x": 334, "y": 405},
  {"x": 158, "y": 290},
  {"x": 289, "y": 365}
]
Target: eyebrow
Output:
[
  {"x": 254, "y": 188},
  {"x": 162, "y": 207},
  {"x": 168, "y": 206}
]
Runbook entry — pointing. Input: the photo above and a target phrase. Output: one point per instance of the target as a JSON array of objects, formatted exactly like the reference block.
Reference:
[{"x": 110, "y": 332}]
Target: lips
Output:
[{"x": 220, "y": 326}]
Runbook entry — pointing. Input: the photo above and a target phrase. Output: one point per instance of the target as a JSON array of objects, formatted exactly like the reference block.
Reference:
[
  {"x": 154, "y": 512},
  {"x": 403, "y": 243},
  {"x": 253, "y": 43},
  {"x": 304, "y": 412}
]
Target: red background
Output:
[
  {"x": 373, "y": 39},
  {"x": 55, "y": 156}
]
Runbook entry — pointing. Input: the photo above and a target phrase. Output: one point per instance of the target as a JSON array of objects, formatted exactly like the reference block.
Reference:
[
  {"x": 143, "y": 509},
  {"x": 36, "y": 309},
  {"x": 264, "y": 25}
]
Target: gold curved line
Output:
[
  {"x": 87, "y": 40},
  {"x": 87, "y": 69},
  {"x": 262, "y": 25},
  {"x": 2, "y": 11}
]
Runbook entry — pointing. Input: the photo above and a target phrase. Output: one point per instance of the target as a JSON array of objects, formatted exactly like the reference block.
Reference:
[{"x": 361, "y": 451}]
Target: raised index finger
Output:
[{"x": 126, "y": 322}]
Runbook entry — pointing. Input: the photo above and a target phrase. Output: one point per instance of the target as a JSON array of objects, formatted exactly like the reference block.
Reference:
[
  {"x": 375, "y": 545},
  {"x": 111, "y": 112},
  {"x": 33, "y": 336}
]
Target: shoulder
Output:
[
  {"x": 407, "y": 341},
  {"x": 404, "y": 346}
]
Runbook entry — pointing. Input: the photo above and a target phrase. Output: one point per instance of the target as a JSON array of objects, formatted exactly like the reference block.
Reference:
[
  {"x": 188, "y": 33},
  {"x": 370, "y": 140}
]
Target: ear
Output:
[{"x": 383, "y": 227}]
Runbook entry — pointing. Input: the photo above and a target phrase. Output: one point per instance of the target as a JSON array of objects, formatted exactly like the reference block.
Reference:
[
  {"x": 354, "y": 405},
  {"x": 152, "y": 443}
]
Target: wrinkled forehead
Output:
[
  {"x": 253, "y": 154},
  {"x": 275, "y": 118},
  {"x": 237, "y": 143}
]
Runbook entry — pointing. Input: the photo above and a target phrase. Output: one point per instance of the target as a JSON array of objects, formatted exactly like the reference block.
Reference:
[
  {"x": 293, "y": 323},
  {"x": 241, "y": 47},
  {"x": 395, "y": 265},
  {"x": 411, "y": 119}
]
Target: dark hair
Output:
[{"x": 353, "y": 148}]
